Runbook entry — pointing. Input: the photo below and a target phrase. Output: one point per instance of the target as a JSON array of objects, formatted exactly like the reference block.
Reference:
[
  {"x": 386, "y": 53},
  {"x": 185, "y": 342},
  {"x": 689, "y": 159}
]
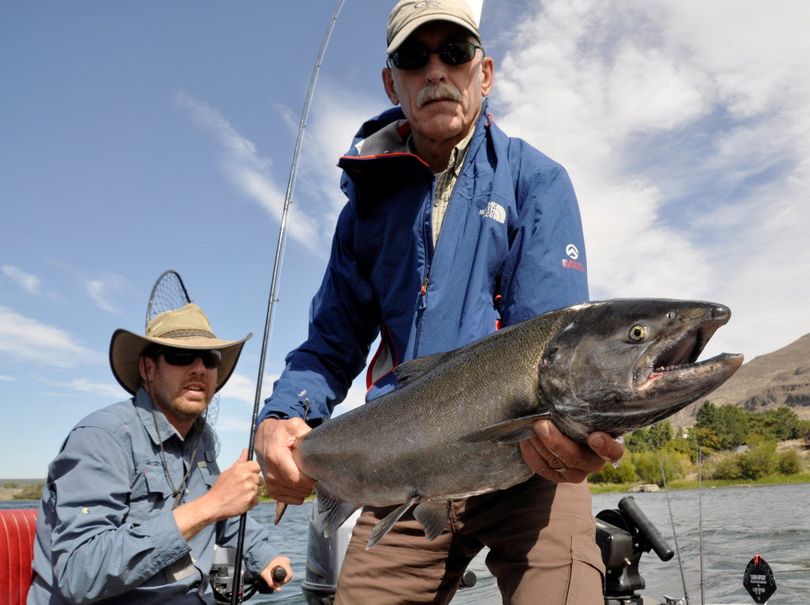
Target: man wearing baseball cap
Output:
[
  {"x": 452, "y": 229},
  {"x": 134, "y": 501}
]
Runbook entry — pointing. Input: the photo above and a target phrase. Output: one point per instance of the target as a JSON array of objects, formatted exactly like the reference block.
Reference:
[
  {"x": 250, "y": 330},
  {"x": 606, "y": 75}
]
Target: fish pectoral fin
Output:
[
  {"x": 510, "y": 431},
  {"x": 385, "y": 525},
  {"x": 335, "y": 510},
  {"x": 433, "y": 515}
]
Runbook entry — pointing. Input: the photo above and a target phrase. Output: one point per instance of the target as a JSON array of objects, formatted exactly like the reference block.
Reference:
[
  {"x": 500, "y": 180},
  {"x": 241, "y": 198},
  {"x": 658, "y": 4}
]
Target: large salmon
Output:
[{"x": 451, "y": 427}]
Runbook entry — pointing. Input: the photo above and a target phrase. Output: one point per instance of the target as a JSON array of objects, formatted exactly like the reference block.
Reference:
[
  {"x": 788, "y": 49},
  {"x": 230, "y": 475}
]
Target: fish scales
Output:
[
  {"x": 420, "y": 426},
  {"x": 452, "y": 426}
]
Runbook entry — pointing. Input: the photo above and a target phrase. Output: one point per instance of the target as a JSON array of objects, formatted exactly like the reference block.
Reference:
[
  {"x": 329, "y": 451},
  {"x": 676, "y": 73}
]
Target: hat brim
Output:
[
  {"x": 127, "y": 347},
  {"x": 411, "y": 27}
]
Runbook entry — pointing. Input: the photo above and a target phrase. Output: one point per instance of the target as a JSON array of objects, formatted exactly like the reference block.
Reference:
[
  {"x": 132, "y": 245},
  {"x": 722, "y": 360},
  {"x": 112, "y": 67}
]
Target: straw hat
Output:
[{"x": 183, "y": 328}]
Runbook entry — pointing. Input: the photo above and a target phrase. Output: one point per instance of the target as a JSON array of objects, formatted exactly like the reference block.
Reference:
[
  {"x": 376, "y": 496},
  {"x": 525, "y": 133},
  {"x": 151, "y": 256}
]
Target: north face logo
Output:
[{"x": 494, "y": 211}]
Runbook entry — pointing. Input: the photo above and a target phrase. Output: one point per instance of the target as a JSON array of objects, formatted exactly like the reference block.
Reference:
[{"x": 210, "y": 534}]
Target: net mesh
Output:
[{"x": 168, "y": 293}]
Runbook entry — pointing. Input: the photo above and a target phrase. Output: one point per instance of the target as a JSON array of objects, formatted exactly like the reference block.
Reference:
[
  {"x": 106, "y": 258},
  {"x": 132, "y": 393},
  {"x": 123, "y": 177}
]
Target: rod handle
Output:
[{"x": 646, "y": 527}]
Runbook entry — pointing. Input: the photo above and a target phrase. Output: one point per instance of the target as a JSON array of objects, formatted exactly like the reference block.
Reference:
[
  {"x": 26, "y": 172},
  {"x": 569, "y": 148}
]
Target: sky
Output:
[{"x": 137, "y": 137}]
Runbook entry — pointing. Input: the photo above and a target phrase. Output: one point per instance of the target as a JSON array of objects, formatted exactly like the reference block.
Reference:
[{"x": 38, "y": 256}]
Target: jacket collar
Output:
[{"x": 387, "y": 132}]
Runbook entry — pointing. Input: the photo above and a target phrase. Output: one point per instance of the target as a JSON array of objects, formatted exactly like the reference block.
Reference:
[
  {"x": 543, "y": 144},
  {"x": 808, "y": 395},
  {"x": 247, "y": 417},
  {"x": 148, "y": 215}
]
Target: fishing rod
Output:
[
  {"x": 700, "y": 522},
  {"x": 674, "y": 534},
  {"x": 236, "y": 595}
]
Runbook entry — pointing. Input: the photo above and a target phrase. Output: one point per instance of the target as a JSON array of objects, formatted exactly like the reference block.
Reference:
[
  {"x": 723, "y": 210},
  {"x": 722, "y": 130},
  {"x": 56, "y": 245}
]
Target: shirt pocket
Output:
[
  {"x": 209, "y": 469},
  {"x": 150, "y": 492}
]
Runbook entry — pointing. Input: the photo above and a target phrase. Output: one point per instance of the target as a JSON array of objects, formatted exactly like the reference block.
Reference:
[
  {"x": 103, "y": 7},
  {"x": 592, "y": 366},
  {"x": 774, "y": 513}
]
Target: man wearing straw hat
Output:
[
  {"x": 134, "y": 502},
  {"x": 451, "y": 229}
]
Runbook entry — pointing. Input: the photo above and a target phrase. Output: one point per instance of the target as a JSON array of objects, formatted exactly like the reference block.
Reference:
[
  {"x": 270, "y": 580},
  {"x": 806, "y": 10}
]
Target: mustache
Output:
[{"x": 437, "y": 92}]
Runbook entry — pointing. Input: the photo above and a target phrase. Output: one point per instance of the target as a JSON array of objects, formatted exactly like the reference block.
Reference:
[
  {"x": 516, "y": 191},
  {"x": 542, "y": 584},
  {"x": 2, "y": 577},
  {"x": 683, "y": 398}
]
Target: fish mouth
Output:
[{"x": 674, "y": 376}]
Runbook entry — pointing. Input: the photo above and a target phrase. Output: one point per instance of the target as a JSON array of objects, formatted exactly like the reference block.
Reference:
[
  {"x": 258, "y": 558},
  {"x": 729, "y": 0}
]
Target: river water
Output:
[{"x": 737, "y": 522}]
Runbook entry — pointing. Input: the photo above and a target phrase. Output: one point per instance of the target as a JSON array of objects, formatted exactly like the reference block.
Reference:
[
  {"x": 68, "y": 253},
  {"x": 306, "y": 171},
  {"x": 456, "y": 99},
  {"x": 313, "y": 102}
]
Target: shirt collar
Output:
[
  {"x": 457, "y": 155},
  {"x": 151, "y": 415}
]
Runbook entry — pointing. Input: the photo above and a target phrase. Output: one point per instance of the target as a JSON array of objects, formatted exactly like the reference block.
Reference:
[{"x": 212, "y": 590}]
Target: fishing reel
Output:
[
  {"x": 222, "y": 577},
  {"x": 623, "y": 535}
]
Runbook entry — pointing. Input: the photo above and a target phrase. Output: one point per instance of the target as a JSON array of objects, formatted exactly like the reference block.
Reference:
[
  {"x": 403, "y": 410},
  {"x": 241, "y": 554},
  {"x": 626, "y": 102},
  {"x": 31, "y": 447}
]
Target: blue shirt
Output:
[{"x": 106, "y": 532}]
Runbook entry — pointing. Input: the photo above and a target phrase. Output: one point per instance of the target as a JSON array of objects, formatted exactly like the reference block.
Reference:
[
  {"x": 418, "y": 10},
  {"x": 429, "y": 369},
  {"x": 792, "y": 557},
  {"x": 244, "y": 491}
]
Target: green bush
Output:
[
  {"x": 648, "y": 466},
  {"x": 637, "y": 441},
  {"x": 625, "y": 472},
  {"x": 679, "y": 445},
  {"x": 759, "y": 461},
  {"x": 789, "y": 462},
  {"x": 704, "y": 438},
  {"x": 727, "y": 467},
  {"x": 779, "y": 423}
]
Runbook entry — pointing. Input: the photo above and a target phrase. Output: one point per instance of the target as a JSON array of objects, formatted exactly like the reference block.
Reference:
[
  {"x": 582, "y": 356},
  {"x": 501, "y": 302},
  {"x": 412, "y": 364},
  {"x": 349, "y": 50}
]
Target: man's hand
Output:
[
  {"x": 235, "y": 491},
  {"x": 268, "y": 572},
  {"x": 554, "y": 456},
  {"x": 275, "y": 444},
  {"x": 237, "y": 488}
]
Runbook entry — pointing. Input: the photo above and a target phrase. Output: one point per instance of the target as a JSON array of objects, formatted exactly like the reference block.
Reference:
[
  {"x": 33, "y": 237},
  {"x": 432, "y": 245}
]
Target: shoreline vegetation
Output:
[
  {"x": 11, "y": 490},
  {"x": 727, "y": 447},
  {"x": 693, "y": 484},
  {"x": 32, "y": 492}
]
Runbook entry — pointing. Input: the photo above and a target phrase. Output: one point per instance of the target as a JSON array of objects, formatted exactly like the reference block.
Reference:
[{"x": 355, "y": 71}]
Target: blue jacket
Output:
[{"x": 510, "y": 247}]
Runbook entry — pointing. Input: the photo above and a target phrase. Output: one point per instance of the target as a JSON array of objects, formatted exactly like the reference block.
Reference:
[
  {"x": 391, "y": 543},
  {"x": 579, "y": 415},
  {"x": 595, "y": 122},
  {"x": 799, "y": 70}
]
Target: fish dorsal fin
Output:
[
  {"x": 385, "y": 525},
  {"x": 411, "y": 370},
  {"x": 335, "y": 511},
  {"x": 433, "y": 515},
  {"x": 510, "y": 431}
]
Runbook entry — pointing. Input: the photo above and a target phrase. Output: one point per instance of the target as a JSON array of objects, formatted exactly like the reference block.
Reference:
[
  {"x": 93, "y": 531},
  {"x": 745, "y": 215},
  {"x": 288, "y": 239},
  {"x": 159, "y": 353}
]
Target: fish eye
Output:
[{"x": 638, "y": 333}]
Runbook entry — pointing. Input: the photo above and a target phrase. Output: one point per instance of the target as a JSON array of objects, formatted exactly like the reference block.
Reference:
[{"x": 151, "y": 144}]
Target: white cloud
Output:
[
  {"x": 101, "y": 289},
  {"x": 4, "y": 378},
  {"x": 103, "y": 389},
  {"x": 317, "y": 199},
  {"x": 354, "y": 398},
  {"x": 336, "y": 116},
  {"x": 234, "y": 424},
  {"x": 24, "y": 339},
  {"x": 686, "y": 132},
  {"x": 27, "y": 281},
  {"x": 242, "y": 387},
  {"x": 245, "y": 168}
]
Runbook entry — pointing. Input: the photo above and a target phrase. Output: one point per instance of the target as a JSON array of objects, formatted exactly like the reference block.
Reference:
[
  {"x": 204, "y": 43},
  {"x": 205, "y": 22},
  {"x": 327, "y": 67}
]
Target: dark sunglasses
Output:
[
  {"x": 185, "y": 357},
  {"x": 416, "y": 56}
]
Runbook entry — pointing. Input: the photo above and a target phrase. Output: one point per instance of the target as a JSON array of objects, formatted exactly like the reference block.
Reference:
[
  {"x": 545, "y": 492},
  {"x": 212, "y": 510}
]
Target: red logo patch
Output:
[{"x": 567, "y": 263}]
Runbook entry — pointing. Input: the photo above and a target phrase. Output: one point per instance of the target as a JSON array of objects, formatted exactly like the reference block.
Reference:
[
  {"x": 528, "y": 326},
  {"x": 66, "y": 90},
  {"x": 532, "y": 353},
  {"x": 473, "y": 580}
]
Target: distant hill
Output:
[{"x": 777, "y": 379}]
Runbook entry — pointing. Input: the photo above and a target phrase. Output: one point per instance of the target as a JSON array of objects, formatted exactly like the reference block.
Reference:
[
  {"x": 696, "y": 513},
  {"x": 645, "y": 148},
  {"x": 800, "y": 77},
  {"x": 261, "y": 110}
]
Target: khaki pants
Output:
[{"x": 542, "y": 545}]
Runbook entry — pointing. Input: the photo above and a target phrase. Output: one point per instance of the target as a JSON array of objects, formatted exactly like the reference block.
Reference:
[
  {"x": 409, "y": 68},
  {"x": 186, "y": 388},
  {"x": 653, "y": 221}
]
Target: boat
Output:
[
  {"x": 17, "y": 527},
  {"x": 623, "y": 535}
]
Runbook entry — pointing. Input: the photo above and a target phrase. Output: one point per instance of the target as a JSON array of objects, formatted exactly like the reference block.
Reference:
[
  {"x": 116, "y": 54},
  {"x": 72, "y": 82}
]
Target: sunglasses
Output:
[
  {"x": 416, "y": 56},
  {"x": 185, "y": 357}
]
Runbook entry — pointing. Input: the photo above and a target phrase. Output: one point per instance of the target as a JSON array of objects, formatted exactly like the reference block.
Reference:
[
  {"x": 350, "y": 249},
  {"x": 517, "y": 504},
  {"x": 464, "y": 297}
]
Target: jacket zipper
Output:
[{"x": 430, "y": 251}]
